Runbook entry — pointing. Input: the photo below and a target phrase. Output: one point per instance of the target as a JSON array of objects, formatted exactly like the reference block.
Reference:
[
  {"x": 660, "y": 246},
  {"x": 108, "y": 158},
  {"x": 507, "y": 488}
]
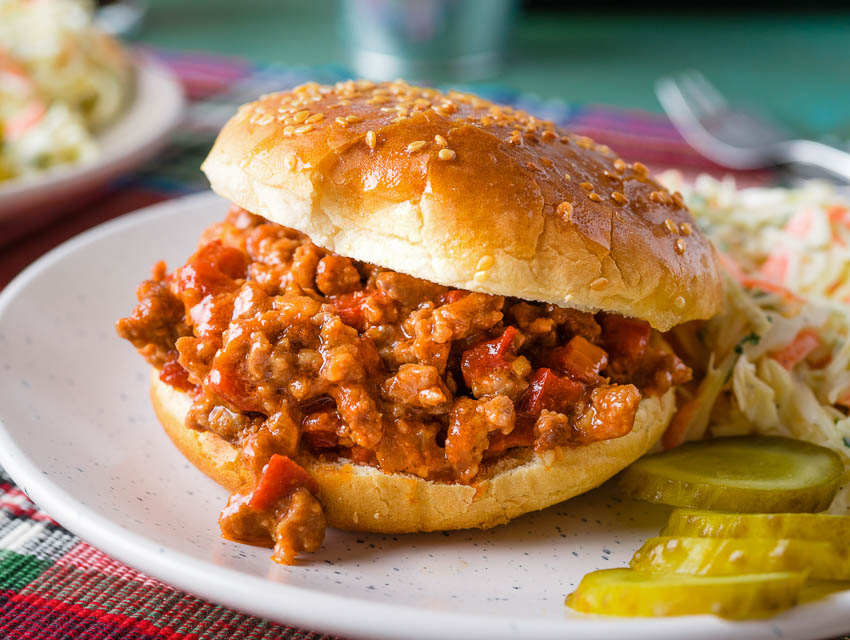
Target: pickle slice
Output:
[
  {"x": 625, "y": 592},
  {"x": 715, "y": 524},
  {"x": 736, "y": 556},
  {"x": 766, "y": 474}
]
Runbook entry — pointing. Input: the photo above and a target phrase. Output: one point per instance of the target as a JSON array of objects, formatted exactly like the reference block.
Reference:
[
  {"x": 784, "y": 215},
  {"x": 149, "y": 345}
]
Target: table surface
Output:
[{"x": 794, "y": 65}]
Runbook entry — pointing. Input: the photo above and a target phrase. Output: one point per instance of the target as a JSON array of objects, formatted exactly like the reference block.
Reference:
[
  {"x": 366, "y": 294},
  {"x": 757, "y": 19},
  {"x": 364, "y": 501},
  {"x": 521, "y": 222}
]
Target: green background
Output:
[{"x": 795, "y": 66}]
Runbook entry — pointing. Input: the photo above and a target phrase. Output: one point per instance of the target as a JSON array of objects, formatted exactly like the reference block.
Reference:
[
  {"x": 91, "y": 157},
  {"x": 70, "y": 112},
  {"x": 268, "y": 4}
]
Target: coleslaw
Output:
[
  {"x": 61, "y": 81},
  {"x": 778, "y": 356}
]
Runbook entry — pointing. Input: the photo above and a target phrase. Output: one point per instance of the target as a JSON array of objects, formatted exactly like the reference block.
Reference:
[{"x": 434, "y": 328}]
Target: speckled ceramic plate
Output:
[{"x": 80, "y": 438}]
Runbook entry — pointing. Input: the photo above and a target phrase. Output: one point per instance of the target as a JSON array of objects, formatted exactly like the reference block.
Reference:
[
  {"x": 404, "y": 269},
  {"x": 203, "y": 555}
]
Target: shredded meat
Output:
[{"x": 289, "y": 348}]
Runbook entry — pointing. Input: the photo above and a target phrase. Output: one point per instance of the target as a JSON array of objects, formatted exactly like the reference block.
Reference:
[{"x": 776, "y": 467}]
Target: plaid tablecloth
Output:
[{"x": 54, "y": 585}]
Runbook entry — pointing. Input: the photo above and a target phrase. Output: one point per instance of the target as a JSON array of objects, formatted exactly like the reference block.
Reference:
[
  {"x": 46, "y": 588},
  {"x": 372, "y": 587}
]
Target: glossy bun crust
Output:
[
  {"x": 460, "y": 191},
  {"x": 364, "y": 498}
]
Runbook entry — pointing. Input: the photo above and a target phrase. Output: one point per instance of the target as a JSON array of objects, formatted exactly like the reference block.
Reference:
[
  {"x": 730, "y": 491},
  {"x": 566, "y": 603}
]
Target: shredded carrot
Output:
[
  {"x": 803, "y": 344},
  {"x": 775, "y": 268},
  {"x": 678, "y": 428},
  {"x": 766, "y": 285}
]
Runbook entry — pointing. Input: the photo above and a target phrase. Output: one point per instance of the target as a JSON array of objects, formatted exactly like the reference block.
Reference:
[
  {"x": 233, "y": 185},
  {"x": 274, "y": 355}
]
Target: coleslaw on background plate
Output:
[
  {"x": 61, "y": 81},
  {"x": 777, "y": 360}
]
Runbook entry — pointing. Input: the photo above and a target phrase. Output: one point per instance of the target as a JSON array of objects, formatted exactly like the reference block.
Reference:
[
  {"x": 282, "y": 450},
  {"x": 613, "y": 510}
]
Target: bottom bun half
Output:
[{"x": 364, "y": 498}]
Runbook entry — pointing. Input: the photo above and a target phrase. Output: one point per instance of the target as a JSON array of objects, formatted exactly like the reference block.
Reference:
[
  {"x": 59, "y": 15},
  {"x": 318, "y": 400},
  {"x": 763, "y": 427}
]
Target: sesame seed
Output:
[
  {"x": 603, "y": 148},
  {"x": 301, "y": 116},
  {"x": 446, "y": 154},
  {"x": 619, "y": 198},
  {"x": 619, "y": 165},
  {"x": 565, "y": 209},
  {"x": 371, "y": 139},
  {"x": 353, "y": 119},
  {"x": 594, "y": 196},
  {"x": 440, "y": 140},
  {"x": 565, "y": 139},
  {"x": 289, "y": 130},
  {"x": 290, "y": 162},
  {"x": 485, "y": 263},
  {"x": 658, "y": 196},
  {"x": 532, "y": 166},
  {"x": 480, "y": 276},
  {"x": 546, "y": 162},
  {"x": 415, "y": 146},
  {"x": 316, "y": 117},
  {"x": 341, "y": 122},
  {"x": 568, "y": 177},
  {"x": 671, "y": 226},
  {"x": 549, "y": 135},
  {"x": 599, "y": 283},
  {"x": 485, "y": 121},
  {"x": 640, "y": 169},
  {"x": 568, "y": 297},
  {"x": 679, "y": 303},
  {"x": 680, "y": 246},
  {"x": 685, "y": 229},
  {"x": 584, "y": 142},
  {"x": 678, "y": 200},
  {"x": 304, "y": 129},
  {"x": 586, "y": 186},
  {"x": 267, "y": 119}
]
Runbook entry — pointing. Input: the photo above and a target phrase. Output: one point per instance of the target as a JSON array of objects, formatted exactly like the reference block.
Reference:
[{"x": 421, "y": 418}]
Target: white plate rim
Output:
[
  {"x": 155, "y": 85},
  {"x": 301, "y": 606}
]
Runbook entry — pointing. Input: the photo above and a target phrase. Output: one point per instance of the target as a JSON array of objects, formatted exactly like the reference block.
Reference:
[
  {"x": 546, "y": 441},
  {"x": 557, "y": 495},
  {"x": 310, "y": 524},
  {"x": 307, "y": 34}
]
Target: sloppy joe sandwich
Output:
[{"x": 424, "y": 311}]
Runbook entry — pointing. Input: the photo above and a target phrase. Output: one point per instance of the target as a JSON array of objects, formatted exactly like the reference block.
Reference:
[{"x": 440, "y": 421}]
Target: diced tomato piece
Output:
[
  {"x": 803, "y": 344},
  {"x": 231, "y": 388},
  {"x": 351, "y": 307},
  {"x": 580, "y": 358},
  {"x": 279, "y": 478},
  {"x": 320, "y": 429},
  {"x": 522, "y": 435},
  {"x": 551, "y": 392},
  {"x": 453, "y": 296},
  {"x": 487, "y": 356},
  {"x": 212, "y": 269},
  {"x": 173, "y": 373},
  {"x": 626, "y": 338}
]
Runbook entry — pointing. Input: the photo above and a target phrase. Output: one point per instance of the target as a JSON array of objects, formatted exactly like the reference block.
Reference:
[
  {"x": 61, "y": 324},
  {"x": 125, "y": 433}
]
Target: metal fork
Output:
[{"x": 735, "y": 137}]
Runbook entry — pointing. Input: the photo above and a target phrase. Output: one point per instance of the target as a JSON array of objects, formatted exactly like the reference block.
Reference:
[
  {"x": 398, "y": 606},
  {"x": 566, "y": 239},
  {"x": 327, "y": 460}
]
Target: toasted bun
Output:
[
  {"x": 516, "y": 207},
  {"x": 364, "y": 498}
]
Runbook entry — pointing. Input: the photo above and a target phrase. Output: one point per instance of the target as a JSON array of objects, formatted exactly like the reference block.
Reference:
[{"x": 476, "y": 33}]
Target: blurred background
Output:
[{"x": 790, "y": 58}]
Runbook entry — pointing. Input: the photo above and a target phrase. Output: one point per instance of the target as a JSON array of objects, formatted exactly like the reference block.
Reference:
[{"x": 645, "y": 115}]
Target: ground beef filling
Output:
[{"x": 288, "y": 348}]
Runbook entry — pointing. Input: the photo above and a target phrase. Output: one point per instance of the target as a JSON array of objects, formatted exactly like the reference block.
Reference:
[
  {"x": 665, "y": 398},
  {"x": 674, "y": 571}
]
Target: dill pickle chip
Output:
[
  {"x": 626, "y": 592},
  {"x": 716, "y": 524},
  {"x": 759, "y": 474},
  {"x": 736, "y": 556}
]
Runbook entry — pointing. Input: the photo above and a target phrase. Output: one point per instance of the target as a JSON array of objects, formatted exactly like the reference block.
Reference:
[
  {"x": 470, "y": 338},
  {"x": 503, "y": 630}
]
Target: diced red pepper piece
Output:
[
  {"x": 580, "y": 358},
  {"x": 351, "y": 307},
  {"x": 551, "y": 392},
  {"x": 626, "y": 338},
  {"x": 453, "y": 296},
  {"x": 212, "y": 269},
  {"x": 173, "y": 373},
  {"x": 522, "y": 435},
  {"x": 232, "y": 389},
  {"x": 320, "y": 429},
  {"x": 280, "y": 477},
  {"x": 487, "y": 356}
]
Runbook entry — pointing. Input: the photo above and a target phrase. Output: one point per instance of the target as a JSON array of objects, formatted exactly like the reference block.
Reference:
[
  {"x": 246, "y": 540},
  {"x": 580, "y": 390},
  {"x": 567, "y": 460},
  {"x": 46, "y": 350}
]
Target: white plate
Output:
[
  {"x": 139, "y": 132},
  {"x": 79, "y": 436}
]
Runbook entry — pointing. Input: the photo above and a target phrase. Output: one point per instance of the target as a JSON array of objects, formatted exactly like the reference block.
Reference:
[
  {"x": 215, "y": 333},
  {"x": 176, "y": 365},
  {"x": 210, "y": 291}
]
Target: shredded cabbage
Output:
[
  {"x": 61, "y": 80},
  {"x": 789, "y": 254}
]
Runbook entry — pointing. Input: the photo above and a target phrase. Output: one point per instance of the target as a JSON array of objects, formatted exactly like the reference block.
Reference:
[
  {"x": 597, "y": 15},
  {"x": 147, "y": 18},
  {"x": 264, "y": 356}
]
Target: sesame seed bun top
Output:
[{"x": 457, "y": 190}]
